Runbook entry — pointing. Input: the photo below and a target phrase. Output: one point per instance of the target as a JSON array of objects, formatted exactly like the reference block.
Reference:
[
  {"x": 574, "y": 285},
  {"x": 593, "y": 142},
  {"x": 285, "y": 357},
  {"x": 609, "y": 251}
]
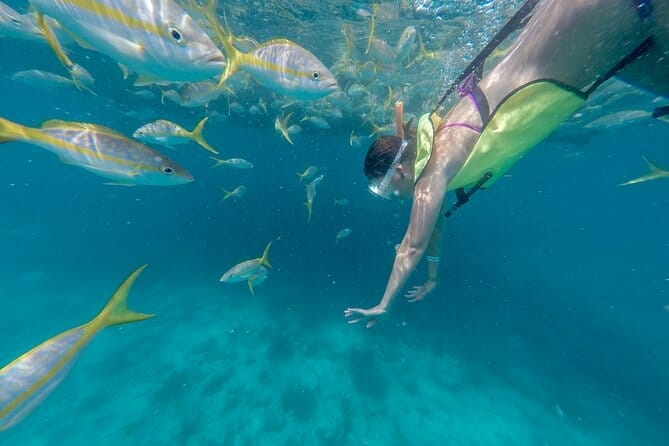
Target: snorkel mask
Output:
[{"x": 381, "y": 188}]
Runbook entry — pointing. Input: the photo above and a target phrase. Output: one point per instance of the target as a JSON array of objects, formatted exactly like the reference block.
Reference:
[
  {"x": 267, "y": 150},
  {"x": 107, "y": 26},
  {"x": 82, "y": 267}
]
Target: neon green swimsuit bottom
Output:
[{"x": 521, "y": 120}]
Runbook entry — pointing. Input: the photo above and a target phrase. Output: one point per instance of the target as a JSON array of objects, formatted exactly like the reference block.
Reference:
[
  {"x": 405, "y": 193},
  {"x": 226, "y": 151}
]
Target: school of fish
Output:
[{"x": 172, "y": 55}]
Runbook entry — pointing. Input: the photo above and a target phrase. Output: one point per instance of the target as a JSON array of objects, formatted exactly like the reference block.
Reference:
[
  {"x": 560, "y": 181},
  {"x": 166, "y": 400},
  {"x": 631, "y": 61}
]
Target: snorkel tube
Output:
[{"x": 399, "y": 119}]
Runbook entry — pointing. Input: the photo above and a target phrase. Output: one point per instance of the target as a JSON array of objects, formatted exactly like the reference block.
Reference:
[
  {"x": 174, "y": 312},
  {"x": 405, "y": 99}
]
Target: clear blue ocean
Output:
[{"x": 550, "y": 324}]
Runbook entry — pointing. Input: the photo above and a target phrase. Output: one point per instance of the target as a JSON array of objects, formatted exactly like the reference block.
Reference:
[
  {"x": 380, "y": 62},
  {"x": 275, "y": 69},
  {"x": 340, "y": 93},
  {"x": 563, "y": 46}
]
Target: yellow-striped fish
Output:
[
  {"x": 279, "y": 64},
  {"x": 100, "y": 150},
  {"x": 27, "y": 380},
  {"x": 155, "y": 38},
  {"x": 18, "y": 26},
  {"x": 247, "y": 269},
  {"x": 654, "y": 173},
  {"x": 168, "y": 133}
]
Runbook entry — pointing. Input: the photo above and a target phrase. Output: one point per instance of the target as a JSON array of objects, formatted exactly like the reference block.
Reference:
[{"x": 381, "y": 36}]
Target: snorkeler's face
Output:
[{"x": 395, "y": 184}]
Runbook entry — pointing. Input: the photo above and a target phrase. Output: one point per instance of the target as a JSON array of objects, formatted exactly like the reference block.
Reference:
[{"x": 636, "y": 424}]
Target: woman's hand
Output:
[
  {"x": 370, "y": 315},
  {"x": 419, "y": 292}
]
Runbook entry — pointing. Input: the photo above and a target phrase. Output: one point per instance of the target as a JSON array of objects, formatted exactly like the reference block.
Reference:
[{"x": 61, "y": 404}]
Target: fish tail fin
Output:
[
  {"x": 196, "y": 135},
  {"x": 423, "y": 53},
  {"x": 250, "y": 283},
  {"x": 282, "y": 126},
  {"x": 116, "y": 311},
  {"x": 301, "y": 175},
  {"x": 226, "y": 194},
  {"x": 372, "y": 28},
  {"x": 11, "y": 131},
  {"x": 264, "y": 259},
  {"x": 225, "y": 38},
  {"x": 654, "y": 173},
  {"x": 218, "y": 162},
  {"x": 56, "y": 47},
  {"x": 309, "y": 204}
]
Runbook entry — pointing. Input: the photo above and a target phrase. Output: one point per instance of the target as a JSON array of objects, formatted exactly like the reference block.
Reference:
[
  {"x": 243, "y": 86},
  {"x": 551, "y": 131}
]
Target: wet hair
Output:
[{"x": 381, "y": 155}]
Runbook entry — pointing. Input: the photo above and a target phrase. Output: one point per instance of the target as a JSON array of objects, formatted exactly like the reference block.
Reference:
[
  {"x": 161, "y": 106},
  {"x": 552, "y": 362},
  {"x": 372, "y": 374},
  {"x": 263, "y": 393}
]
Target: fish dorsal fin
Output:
[
  {"x": 60, "y": 124},
  {"x": 71, "y": 125}
]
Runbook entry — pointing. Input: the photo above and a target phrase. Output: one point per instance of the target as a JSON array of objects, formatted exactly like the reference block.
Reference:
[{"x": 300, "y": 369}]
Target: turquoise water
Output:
[{"x": 548, "y": 327}]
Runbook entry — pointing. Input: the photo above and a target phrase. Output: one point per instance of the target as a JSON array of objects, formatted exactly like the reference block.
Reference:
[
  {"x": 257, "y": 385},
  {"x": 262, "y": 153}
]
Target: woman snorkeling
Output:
[{"x": 566, "y": 49}]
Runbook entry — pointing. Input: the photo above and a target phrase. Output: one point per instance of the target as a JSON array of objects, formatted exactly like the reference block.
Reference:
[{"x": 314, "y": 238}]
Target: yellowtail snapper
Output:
[
  {"x": 311, "y": 195},
  {"x": 279, "y": 64},
  {"x": 168, "y": 133},
  {"x": 248, "y": 270},
  {"x": 236, "y": 163},
  {"x": 654, "y": 173},
  {"x": 100, "y": 150},
  {"x": 237, "y": 192},
  {"x": 27, "y": 380},
  {"x": 155, "y": 38},
  {"x": 308, "y": 173}
]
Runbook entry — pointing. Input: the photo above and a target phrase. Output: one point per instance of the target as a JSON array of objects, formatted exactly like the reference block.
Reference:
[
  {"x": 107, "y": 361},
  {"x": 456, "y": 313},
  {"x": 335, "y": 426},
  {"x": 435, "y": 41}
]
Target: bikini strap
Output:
[{"x": 519, "y": 19}]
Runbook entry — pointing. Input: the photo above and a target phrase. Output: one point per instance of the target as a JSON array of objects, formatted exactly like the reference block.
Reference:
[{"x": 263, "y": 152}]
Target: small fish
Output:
[
  {"x": 14, "y": 25},
  {"x": 237, "y": 192},
  {"x": 42, "y": 79},
  {"x": 382, "y": 51},
  {"x": 167, "y": 133},
  {"x": 343, "y": 233},
  {"x": 155, "y": 38},
  {"x": 618, "y": 119},
  {"x": 317, "y": 122},
  {"x": 248, "y": 268},
  {"x": 237, "y": 109},
  {"x": 279, "y": 64},
  {"x": 237, "y": 163},
  {"x": 357, "y": 91},
  {"x": 311, "y": 195},
  {"x": 294, "y": 129},
  {"x": 308, "y": 173},
  {"x": 200, "y": 94},
  {"x": 405, "y": 45},
  {"x": 281, "y": 126},
  {"x": 356, "y": 141},
  {"x": 27, "y": 380},
  {"x": 342, "y": 201},
  {"x": 100, "y": 150},
  {"x": 653, "y": 174}
]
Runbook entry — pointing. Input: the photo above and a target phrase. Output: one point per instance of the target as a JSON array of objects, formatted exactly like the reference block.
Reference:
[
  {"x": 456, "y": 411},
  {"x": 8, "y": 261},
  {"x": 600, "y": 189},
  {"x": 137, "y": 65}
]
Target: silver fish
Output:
[
  {"x": 155, "y": 38},
  {"x": 27, "y": 380},
  {"x": 237, "y": 192},
  {"x": 308, "y": 173},
  {"x": 405, "y": 45},
  {"x": 243, "y": 270},
  {"x": 168, "y": 133},
  {"x": 343, "y": 233},
  {"x": 42, "y": 79},
  {"x": 100, "y": 150},
  {"x": 18, "y": 26},
  {"x": 236, "y": 163}
]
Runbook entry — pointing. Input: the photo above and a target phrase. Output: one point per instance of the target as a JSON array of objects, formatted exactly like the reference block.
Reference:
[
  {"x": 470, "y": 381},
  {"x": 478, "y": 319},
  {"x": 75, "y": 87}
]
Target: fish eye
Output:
[
  {"x": 168, "y": 170},
  {"x": 315, "y": 75},
  {"x": 176, "y": 34}
]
